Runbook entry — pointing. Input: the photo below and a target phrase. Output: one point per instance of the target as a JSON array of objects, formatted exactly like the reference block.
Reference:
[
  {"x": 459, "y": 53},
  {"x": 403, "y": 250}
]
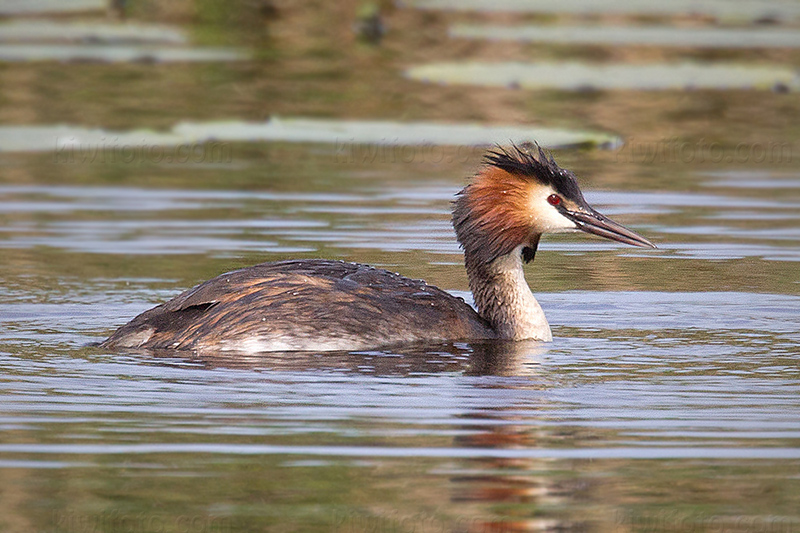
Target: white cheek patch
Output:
[{"x": 545, "y": 218}]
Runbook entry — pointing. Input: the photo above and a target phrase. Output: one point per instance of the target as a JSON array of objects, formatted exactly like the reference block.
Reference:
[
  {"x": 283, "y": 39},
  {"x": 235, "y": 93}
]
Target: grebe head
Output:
[{"x": 518, "y": 196}]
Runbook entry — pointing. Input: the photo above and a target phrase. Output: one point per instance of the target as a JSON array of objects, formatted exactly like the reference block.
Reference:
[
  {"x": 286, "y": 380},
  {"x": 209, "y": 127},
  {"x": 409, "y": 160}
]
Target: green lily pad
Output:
[
  {"x": 388, "y": 133},
  {"x": 42, "y": 31},
  {"x": 636, "y": 35},
  {"x": 65, "y": 140},
  {"x": 751, "y": 9},
  {"x": 115, "y": 53},
  {"x": 28, "y": 7},
  {"x": 580, "y": 76}
]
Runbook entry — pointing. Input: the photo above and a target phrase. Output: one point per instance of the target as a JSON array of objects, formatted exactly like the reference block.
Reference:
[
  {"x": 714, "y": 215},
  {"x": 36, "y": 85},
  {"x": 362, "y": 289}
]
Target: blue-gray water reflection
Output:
[{"x": 668, "y": 401}]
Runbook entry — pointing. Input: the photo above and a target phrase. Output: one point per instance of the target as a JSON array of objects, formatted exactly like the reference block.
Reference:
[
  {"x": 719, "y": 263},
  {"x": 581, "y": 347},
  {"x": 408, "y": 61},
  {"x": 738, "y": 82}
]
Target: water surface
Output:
[{"x": 669, "y": 399}]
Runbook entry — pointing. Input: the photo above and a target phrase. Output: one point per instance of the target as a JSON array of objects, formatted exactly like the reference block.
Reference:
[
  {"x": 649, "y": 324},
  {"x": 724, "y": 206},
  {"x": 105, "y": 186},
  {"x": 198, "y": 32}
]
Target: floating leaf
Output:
[
  {"x": 579, "y": 76},
  {"x": 27, "y": 7},
  {"x": 636, "y": 35},
  {"x": 41, "y": 31},
  {"x": 66, "y": 140},
  {"x": 115, "y": 54},
  {"x": 752, "y": 9}
]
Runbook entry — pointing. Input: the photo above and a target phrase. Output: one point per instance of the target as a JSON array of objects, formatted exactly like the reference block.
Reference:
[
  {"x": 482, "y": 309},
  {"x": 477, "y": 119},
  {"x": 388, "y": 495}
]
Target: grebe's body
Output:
[
  {"x": 303, "y": 305},
  {"x": 331, "y": 305}
]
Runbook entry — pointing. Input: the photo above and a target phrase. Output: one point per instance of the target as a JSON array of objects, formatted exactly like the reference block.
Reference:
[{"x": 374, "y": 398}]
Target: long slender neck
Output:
[{"x": 504, "y": 299}]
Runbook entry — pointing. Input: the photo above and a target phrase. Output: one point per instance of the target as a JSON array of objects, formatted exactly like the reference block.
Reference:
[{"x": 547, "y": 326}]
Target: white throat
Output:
[{"x": 505, "y": 300}]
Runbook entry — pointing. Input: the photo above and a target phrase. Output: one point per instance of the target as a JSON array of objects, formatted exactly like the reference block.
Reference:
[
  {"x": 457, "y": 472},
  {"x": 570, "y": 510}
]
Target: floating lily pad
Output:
[
  {"x": 115, "y": 54},
  {"x": 27, "y": 7},
  {"x": 69, "y": 141},
  {"x": 579, "y": 76},
  {"x": 636, "y": 35},
  {"x": 41, "y": 31},
  {"x": 752, "y": 9},
  {"x": 62, "y": 138},
  {"x": 388, "y": 133}
]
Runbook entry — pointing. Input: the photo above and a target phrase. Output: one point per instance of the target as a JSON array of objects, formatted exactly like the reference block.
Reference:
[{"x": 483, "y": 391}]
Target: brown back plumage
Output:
[{"x": 303, "y": 304}]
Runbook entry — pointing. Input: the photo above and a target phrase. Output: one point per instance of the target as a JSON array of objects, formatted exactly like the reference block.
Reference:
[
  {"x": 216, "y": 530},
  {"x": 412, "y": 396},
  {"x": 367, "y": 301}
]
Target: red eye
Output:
[{"x": 554, "y": 199}]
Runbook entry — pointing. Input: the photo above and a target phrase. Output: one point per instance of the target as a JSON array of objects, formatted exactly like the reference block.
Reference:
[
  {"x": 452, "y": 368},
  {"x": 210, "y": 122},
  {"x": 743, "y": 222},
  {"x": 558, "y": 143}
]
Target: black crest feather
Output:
[{"x": 539, "y": 166}]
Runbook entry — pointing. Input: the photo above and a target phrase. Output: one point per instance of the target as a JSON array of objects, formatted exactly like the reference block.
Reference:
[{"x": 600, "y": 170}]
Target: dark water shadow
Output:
[{"x": 471, "y": 359}]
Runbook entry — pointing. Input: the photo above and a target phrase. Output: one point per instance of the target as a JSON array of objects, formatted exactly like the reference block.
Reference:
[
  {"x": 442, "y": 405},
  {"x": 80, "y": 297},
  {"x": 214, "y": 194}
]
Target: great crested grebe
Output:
[{"x": 324, "y": 305}]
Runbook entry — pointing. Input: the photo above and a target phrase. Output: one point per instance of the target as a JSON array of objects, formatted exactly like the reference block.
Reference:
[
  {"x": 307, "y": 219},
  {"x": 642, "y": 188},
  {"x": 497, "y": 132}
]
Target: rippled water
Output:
[
  {"x": 682, "y": 390},
  {"x": 669, "y": 399}
]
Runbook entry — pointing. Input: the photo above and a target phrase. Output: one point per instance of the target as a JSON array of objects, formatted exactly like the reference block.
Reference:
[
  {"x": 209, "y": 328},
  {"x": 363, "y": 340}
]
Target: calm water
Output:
[{"x": 668, "y": 401}]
